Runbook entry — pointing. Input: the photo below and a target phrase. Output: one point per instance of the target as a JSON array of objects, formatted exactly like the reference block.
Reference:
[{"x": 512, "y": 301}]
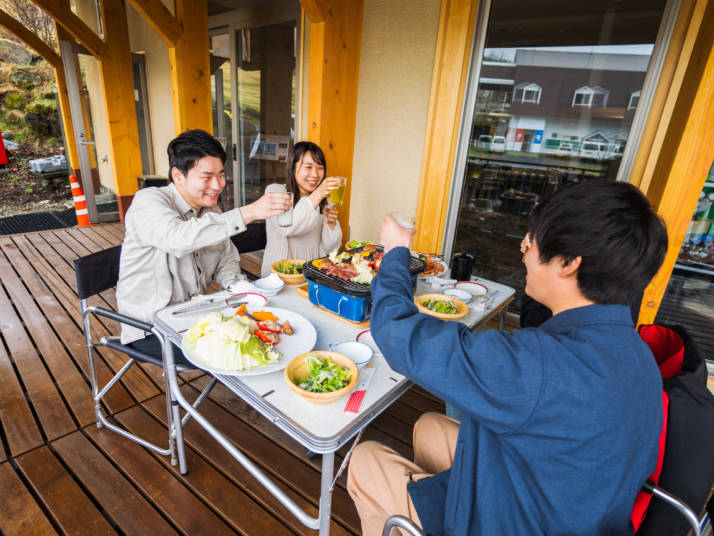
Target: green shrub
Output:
[
  {"x": 14, "y": 101},
  {"x": 41, "y": 115},
  {"x": 15, "y": 117}
]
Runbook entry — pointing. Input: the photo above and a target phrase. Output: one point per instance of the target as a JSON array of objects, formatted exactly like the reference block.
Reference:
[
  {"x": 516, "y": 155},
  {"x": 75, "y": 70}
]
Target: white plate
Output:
[
  {"x": 464, "y": 295},
  {"x": 302, "y": 340},
  {"x": 365, "y": 337},
  {"x": 444, "y": 267},
  {"x": 473, "y": 288}
]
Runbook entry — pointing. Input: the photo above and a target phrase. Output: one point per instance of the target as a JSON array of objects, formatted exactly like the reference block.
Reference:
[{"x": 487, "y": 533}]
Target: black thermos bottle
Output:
[{"x": 461, "y": 266}]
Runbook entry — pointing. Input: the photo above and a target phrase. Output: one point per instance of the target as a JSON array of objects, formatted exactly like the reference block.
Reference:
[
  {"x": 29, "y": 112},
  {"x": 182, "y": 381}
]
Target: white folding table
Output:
[{"x": 322, "y": 429}]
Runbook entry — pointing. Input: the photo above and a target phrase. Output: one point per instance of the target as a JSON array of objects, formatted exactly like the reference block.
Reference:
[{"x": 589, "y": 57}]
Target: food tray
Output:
[{"x": 357, "y": 290}]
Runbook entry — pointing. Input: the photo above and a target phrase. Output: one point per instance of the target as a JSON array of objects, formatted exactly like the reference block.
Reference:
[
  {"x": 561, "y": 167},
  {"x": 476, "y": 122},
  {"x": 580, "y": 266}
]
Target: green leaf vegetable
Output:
[
  {"x": 229, "y": 343},
  {"x": 324, "y": 376},
  {"x": 441, "y": 306},
  {"x": 289, "y": 268},
  {"x": 354, "y": 244}
]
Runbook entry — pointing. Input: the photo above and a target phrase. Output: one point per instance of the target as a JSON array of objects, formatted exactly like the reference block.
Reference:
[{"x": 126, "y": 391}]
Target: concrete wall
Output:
[
  {"x": 396, "y": 64},
  {"x": 158, "y": 80}
]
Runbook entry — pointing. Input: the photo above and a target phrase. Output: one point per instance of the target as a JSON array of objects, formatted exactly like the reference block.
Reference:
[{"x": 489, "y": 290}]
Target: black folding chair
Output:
[
  {"x": 700, "y": 527},
  {"x": 99, "y": 272}
]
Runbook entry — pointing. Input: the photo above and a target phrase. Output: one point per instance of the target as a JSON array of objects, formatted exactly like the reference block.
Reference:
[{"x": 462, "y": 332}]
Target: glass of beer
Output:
[{"x": 338, "y": 196}]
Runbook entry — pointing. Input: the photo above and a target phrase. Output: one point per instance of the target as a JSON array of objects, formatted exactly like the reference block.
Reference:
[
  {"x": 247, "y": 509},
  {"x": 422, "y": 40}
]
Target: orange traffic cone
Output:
[{"x": 80, "y": 203}]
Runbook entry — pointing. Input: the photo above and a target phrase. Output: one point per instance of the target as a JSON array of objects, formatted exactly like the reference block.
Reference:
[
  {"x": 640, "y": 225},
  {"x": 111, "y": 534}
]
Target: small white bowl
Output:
[
  {"x": 473, "y": 288},
  {"x": 358, "y": 352},
  {"x": 463, "y": 295},
  {"x": 269, "y": 286}
]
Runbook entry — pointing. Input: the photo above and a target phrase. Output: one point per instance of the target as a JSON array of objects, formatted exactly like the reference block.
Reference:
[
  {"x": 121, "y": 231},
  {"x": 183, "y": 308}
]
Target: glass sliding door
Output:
[
  {"x": 558, "y": 90},
  {"x": 265, "y": 75},
  {"x": 689, "y": 298},
  {"x": 253, "y": 84}
]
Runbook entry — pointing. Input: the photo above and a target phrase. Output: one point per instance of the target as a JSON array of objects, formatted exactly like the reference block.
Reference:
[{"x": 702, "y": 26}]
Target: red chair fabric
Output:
[{"x": 642, "y": 501}]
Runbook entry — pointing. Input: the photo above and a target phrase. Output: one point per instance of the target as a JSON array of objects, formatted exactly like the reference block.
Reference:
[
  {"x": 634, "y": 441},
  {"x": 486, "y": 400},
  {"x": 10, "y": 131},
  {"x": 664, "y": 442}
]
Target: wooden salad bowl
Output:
[
  {"x": 297, "y": 368},
  {"x": 290, "y": 279},
  {"x": 461, "y": 308}
]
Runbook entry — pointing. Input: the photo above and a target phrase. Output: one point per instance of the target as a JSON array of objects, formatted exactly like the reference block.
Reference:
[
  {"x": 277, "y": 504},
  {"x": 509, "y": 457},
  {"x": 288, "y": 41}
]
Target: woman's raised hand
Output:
[
  {"x": 331, "y": 212},
  {"x": 329, "y": 184}
]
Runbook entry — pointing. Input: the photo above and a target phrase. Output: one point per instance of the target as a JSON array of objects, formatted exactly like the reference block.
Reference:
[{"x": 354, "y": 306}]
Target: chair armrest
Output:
[
  {"x": 403, "y": 523},
  {"x": 120, "y": 318}
]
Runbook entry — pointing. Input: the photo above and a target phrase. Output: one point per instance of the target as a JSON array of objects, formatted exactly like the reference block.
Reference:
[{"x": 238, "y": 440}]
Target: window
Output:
[
  {"x": 590, "y": 97},
  {"x": 527, "y": 93},
  {"x": 634, "y": 100}
]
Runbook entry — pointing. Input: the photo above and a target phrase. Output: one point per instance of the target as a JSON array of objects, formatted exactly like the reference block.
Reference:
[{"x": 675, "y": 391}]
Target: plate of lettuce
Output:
[{"x": 222, "y": 343}]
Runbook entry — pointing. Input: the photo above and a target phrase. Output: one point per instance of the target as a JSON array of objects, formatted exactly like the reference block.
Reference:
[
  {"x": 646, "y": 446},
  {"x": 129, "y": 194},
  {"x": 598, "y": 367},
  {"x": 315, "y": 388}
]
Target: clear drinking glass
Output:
[
  {"x": 405, "y": 219},
  {"x": 286, "y": 218},
  {"x": 338, "y": 196}
]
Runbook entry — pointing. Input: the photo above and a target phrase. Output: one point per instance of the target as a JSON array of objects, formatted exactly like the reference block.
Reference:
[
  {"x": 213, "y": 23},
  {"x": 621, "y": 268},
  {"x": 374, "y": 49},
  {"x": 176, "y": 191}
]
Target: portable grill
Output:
[{"x": 348, "y": 299}]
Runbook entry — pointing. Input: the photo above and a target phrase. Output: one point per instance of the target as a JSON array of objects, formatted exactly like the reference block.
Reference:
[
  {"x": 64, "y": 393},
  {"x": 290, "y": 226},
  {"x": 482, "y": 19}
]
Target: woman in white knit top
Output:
[{"x": 315, "y": 230}]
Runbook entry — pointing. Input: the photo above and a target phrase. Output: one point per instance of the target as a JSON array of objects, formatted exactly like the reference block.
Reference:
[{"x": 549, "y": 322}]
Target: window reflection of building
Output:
[{"x": 543, "y": 118}]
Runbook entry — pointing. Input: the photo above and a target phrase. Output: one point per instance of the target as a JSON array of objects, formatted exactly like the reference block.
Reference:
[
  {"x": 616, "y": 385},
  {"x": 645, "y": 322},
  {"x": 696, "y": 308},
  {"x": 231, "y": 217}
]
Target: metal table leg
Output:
[{"x": 328, "y": 463}]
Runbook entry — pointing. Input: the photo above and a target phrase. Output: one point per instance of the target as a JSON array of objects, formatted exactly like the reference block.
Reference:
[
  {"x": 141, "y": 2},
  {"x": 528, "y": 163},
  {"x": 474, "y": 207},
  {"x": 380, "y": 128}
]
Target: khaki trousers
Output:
[{"x": 377, "y": 477}]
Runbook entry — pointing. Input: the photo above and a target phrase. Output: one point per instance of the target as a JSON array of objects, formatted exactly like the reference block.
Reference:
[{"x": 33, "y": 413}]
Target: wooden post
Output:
[
  {"x": 451, "y": 62},
  {"x": 190, "y": 68},
  {"x": 119, "y": 106},
  {"x": 685, "y": 158},
  {"x": 63, "y": 98},
  {"x": 332, "y": 94}
]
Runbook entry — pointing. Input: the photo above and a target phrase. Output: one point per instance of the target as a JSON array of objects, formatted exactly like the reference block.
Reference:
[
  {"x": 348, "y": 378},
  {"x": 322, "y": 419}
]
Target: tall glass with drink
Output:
[
  {"x": 337, "y": 196},
  {"x": 286, "y": 218}
]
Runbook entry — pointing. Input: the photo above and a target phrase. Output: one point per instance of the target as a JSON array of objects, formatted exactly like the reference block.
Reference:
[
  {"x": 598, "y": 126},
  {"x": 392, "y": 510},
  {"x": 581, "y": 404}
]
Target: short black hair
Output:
[
  {"x": 189, "y": 147},
  {"x": 297, "y": 152},
  {"x": 612, "y": 227}
]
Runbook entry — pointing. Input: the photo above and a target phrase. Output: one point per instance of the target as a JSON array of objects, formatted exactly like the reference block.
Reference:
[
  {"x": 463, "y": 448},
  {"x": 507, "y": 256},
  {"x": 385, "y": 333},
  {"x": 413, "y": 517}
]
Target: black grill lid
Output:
[{"x": 357, "y": 290}]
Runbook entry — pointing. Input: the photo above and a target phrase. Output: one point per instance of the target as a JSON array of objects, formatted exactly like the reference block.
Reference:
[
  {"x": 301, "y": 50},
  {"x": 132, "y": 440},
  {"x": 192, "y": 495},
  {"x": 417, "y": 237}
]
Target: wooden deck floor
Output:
[{"x": 59, "y": 473}]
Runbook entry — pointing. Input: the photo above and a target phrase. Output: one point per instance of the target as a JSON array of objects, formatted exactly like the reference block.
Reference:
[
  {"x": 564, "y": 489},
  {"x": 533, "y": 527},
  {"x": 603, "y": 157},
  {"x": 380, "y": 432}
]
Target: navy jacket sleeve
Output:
[{"x": 495, "y": 376}]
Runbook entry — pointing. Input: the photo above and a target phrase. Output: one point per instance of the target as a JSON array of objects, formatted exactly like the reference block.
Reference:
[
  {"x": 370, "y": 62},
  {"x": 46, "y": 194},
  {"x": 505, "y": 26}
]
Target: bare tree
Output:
[{"x": 34, "y": 19}]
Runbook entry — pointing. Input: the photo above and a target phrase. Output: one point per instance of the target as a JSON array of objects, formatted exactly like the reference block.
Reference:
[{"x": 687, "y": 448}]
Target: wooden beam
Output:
[
  {"x": 160, "y": 19},
  {"x": 684, "y": 161},
  {"x": 335, "y": 46},
  {"x": 119, "y": 106},
  {"x": 30, "y": 39},
  {"x": 316, "y": 10},
  {"x": 60, "y": 11},
  {"x": 190, "y": 69},
  {"x": 451, "y": 64},
  {"x": 65, "y": 112}
]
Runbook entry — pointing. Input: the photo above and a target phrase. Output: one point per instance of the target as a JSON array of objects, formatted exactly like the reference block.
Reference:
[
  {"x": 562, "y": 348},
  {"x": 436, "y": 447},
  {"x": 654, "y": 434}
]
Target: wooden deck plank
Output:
[
  {"x": 92, "y": 480},
  {"x": 18, "y": 424},
  {"x": 72, "y": 385},
  {"x": 107, "y": 234},
  {"x": 19, "y": 513},
  {"x": 169, "y": 495},
  {"x": 88, "y": 235},
  {"x": 70, "y": 507},
  {"x": 52, "y": 413},
  {"x": 237, "y": 407},
  {"x": 228, "y": 499},
  {"x": 141, "y": 385},
  {"x": 299, "y": 479},
  {"x": 121, "y": 501},
  {"x": 68, "y": 324}
]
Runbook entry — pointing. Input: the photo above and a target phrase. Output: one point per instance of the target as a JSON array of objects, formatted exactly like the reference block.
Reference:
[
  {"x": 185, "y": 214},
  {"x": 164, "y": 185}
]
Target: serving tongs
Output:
[{"x": 212, "y": 304}]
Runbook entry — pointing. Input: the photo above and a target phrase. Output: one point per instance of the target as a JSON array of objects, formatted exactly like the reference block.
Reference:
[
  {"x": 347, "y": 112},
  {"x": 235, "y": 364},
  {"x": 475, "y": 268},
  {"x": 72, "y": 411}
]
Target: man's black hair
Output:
[
  {"x": 189, "y": 147},
  {"x": 612, "y": 226}
]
